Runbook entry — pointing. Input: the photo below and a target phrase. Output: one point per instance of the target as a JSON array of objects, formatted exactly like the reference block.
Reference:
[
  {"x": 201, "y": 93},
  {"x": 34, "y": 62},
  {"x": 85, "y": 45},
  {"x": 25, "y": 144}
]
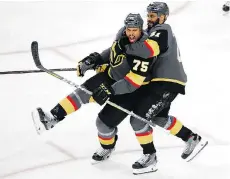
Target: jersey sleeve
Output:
[{"x": 156, "y": 43}]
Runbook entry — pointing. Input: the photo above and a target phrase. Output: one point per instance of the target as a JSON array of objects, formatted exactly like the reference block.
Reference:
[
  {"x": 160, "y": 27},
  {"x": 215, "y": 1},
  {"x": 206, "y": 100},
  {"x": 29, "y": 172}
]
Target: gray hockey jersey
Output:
[{"x": 131, "y": 68}]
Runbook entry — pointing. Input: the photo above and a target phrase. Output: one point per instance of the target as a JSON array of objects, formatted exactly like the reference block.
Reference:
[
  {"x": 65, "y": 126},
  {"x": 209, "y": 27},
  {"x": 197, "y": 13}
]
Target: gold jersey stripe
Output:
[
  {"x": 176, "y": 128},
  {"x": 145, "y": 139},
  {"x": 154, "y": 47},
  {"x": 137, "y": 79},
  {"x": 167, "y": 80},
  {"x": 67, "y": 106},
  {"x": 106, "y": 142}
]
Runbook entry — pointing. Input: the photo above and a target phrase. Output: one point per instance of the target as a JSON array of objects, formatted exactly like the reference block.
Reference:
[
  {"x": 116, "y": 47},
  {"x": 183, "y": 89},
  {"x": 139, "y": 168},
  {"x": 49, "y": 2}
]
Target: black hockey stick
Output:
[
  {"x": 35, "y": 54},
  {"x": 35, "y": 71}
]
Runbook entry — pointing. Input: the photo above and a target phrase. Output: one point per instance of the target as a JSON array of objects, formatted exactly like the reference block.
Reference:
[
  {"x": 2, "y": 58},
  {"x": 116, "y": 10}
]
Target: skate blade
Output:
[
  {"x": 201, "y": 145},
  {"x": 40, "y": 128},
  {"x": 149, "y": 169},
  {"x": 95, "y": 162}
]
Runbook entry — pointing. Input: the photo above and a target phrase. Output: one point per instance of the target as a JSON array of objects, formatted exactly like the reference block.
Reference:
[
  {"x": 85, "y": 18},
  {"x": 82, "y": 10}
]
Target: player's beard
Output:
[{"x": 151, "y": 24}]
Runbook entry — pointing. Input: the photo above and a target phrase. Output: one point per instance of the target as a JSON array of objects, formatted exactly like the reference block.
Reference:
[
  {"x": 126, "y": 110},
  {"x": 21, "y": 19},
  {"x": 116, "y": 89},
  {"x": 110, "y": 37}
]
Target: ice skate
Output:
[
  {"x": 146, "y": 164},
  {"x": 194, "y": 146},
  {"x": 43, "y": 121},
  {"x": 101, "y": 155}
]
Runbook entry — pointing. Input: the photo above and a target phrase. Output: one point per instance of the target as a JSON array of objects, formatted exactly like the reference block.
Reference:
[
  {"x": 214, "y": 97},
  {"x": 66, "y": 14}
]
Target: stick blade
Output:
[{"x": 34, "y": 50}]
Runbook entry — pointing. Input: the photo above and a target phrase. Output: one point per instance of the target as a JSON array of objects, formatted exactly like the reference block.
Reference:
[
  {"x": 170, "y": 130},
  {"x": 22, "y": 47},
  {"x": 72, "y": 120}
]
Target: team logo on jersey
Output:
[{"x": 115, "y": 59}]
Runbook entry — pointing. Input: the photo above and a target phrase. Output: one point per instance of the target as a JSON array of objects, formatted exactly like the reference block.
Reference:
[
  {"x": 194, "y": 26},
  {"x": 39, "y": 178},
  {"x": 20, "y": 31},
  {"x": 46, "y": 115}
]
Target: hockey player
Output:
[
  {"x": 125, "y": 74},
  {"x": 151, "y": 101},
  {"x": 47, "y": 120}
]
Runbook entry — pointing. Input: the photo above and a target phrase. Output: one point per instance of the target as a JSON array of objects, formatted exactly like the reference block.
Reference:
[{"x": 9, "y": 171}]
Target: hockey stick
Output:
[
  {"x": 35, "y": 71},
  {"x": 35, "y": 54}
]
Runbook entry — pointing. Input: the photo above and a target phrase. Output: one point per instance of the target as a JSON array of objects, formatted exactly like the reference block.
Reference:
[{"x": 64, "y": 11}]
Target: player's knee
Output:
[
  {"x": 82, "y": 95},
  {"x": 161, "y": 121},
  {"x": 103, "y": 128},
  {"x": 136, "y": 124}
]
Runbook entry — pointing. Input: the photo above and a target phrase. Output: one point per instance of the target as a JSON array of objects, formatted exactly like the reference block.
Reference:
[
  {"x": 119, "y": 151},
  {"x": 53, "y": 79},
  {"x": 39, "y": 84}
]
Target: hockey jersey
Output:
[
  {"x": 130, "y": 70},
  {"x": 167, "y": 69}
]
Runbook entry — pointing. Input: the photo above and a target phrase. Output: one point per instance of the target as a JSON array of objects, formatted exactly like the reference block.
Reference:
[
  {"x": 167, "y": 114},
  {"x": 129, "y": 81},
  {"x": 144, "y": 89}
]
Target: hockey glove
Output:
[
  {"x": 101, "y": 68},
  {"x": 89, "y": 62},
  {"x": 123, "y": 41},
  {"x": 119, "y": 45},
  {"x": 102, "y": 93}
]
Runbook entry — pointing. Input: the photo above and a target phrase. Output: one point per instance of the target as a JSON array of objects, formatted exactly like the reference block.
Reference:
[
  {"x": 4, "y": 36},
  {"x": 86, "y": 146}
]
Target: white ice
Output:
[{"x": 68, "y": 31}]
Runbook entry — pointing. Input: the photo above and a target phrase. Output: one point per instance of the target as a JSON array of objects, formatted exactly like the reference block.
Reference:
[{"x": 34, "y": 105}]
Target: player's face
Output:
[
  {"x": 151, "y": 19},
  {"x": 133, "y": 34}
]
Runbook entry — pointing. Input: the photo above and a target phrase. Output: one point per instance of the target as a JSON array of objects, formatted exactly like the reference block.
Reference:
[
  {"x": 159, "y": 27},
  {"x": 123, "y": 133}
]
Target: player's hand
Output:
[
  {"x": 119, "y": 45},
  {"x": 122, "y": 42},
  {"x": 102, "y": 93},
  {"x": 101, "y": 68},
  {"x": 89, "y": 62}
]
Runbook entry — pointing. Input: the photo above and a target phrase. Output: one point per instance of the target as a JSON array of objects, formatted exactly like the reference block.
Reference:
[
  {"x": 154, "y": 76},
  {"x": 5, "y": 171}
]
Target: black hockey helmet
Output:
[
  {"x": 134, "y": 20},
  {"x": 161, "y": 8}
]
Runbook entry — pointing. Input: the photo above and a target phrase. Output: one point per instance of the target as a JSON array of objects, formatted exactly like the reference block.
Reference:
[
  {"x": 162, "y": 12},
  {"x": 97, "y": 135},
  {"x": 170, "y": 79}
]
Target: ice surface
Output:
[{"x": 66, "y": 32}]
